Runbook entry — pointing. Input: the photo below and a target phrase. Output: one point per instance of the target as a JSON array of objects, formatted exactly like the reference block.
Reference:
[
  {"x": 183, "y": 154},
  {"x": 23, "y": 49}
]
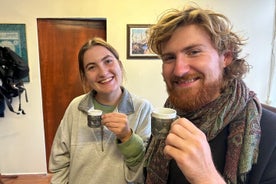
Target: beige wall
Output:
[{"x": 22, "y": 137}]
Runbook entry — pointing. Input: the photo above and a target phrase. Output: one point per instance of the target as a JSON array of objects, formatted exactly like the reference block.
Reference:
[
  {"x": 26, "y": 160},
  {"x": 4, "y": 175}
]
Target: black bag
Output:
[{"x": 12, "y": 70}]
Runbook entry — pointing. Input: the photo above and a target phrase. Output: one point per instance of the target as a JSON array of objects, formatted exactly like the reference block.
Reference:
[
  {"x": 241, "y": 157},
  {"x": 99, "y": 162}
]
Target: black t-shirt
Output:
[{"x": 218, "y": 148}]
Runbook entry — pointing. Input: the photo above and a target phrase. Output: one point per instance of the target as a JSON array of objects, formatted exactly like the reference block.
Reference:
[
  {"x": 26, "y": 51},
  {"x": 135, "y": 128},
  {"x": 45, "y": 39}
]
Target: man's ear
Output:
[{"x": 228, "y": 58}]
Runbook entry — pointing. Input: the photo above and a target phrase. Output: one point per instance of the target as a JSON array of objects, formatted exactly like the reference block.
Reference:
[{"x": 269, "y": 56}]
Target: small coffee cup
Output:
[
  {"x": 94, "y": 118},
  {"x": 161, "y": 119}
]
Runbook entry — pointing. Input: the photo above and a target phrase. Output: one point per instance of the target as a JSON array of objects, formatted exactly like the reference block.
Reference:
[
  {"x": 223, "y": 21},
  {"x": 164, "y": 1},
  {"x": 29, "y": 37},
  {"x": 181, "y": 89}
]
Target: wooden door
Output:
[{"x": 59, "y": 43}]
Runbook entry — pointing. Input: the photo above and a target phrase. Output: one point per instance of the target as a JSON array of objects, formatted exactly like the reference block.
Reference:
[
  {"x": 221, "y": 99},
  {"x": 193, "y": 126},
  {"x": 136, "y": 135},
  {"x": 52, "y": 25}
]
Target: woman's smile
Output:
[{"x": 106, "y": 80}]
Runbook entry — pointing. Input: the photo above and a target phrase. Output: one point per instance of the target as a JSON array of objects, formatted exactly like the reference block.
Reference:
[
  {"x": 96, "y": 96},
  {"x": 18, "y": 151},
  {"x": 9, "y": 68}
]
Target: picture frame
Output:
[
  {"x": 14, "y": 37},
  {"x": 137, "y": 42}
]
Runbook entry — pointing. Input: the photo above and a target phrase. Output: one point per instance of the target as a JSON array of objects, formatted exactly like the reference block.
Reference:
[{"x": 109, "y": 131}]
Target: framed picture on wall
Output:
[
  {"x": 137, "y": 47},
  {"x": 14, "y": 37}
]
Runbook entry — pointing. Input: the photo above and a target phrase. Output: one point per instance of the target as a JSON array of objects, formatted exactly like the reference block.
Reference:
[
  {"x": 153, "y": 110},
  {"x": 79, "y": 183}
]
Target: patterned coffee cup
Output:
[
  {"x": 161, "y": 119},
  {"x": 94, "y": 118}
]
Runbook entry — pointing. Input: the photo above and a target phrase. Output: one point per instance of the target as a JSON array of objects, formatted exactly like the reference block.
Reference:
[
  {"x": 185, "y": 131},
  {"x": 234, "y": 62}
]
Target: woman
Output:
[{"x": 77, "y": 154}]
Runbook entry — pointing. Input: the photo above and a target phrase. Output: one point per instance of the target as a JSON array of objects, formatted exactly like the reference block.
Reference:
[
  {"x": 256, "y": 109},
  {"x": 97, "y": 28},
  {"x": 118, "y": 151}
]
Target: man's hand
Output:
[{"x": 188, "y": 146}]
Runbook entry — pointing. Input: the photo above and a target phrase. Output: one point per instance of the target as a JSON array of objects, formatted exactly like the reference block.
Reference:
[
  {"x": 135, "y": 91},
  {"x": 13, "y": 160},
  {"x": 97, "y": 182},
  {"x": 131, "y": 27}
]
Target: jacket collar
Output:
[{"x": 125, "y": 105}]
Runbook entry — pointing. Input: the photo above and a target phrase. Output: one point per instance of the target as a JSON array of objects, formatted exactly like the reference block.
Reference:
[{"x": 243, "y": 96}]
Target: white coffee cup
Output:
[
  {"x": 161, "y": 119},
  {"x": 94, "y": 118}
]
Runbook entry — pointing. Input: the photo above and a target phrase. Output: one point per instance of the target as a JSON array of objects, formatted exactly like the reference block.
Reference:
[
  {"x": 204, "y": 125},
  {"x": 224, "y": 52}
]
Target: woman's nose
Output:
[{"x": 102, "y": 70}]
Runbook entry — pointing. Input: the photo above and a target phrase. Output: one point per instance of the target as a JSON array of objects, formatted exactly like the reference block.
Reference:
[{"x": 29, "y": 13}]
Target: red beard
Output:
[{"x": 190, "y": 99}]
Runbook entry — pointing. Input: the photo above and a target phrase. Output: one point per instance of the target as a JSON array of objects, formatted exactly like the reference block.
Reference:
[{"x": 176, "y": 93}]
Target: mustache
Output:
[{"x": 186, "y": 77}]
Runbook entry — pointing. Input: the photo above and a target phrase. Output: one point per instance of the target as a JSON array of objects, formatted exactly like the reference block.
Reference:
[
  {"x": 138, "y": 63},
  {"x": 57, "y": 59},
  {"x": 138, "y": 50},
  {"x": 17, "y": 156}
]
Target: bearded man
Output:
[{"x": 223, "y": 134}]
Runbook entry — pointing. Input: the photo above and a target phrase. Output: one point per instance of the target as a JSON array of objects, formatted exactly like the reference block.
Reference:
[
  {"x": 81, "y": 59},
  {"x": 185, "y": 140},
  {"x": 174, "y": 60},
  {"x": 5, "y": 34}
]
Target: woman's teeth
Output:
[{"x": 106, "y": 80}]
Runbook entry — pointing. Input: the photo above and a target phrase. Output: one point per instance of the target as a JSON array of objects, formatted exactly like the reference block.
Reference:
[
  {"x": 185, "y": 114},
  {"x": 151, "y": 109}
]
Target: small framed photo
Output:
[
  {"x": 14, "y": 37},
  {"x": 137, "y": 47}
]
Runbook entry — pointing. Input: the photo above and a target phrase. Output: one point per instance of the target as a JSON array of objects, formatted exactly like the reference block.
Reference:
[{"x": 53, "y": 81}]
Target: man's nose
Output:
[{"x": 181, "y": 66}]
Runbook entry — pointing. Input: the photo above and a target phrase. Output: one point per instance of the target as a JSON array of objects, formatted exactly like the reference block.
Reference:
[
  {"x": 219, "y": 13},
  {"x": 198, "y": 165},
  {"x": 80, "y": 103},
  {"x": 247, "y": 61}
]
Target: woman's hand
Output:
[
  {"x": 188, "y": 146},
  {"x": 118, "y": 124}
]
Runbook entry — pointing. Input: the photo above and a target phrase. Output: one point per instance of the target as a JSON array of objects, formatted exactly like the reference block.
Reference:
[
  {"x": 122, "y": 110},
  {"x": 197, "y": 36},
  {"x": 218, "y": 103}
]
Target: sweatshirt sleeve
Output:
[{"x": 133, "y": 150}]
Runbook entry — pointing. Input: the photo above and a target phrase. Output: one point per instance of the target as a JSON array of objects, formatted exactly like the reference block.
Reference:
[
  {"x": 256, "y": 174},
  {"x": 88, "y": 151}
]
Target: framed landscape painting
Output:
[{"x": 137, "y": 47}]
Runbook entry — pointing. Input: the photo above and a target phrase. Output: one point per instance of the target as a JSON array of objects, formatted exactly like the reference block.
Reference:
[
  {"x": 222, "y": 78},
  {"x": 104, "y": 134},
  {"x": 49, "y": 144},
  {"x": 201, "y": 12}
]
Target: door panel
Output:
[{"x": 59, "y": 43}]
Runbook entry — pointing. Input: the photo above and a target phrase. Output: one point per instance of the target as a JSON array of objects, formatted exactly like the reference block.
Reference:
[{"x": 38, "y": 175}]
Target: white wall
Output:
[{"x": 22, "y": 137}]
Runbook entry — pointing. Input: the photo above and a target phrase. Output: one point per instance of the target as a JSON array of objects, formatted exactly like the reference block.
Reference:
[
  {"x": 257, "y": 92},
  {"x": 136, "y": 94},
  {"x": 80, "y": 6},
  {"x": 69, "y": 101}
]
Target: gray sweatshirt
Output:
[{"x": 77, "y": 156}]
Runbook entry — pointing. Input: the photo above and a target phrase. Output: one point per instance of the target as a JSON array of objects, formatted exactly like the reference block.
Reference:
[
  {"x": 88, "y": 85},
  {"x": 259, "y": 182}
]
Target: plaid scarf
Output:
[{"x": 237, "y": 107}]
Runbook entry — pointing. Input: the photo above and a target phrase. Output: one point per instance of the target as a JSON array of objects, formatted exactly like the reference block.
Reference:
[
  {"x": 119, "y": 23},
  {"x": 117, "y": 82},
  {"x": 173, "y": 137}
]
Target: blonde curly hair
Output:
[{"x": 216, "y": 25}]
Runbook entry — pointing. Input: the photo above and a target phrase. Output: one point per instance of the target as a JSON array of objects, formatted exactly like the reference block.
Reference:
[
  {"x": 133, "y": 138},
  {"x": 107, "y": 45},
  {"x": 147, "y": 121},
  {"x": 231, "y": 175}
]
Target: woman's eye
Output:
[
  {"x": 108, "y": 61},
  {"x": 91, "y": 67}
]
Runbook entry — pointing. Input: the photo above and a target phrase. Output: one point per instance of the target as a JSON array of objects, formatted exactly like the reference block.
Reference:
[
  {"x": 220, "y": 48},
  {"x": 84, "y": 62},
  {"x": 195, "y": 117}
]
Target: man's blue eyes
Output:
[
  {"x": 188, "y": 54},
  {"x": 166, "y": 58},
  {"x": 193, "y": 52}
]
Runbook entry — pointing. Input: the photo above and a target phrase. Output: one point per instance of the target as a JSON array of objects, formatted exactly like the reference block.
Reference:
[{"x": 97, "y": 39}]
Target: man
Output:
[{"x": 224, "y": 135}]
